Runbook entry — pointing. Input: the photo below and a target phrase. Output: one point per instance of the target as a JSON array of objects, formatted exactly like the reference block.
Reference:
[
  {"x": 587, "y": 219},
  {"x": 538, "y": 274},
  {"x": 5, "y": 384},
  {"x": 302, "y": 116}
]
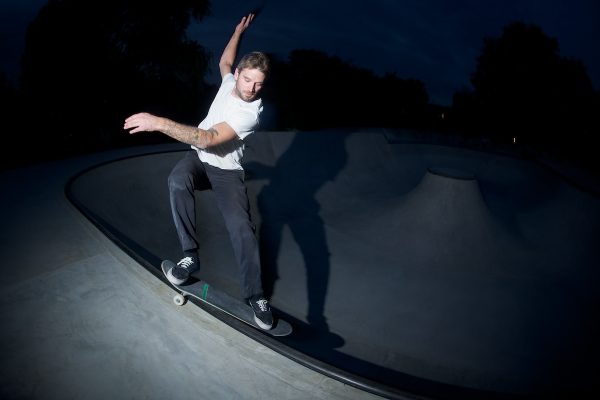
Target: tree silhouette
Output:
[
  {"x": 313, "y": 90},
  {"x": 523, "y": 88},
  {"x": 10, "y": 104},
  {"x": 88, "y": 64}
]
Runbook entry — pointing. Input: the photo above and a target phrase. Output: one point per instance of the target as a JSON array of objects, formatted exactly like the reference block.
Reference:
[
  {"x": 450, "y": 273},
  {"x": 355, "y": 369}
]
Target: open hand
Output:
[
  {"x": 142, "y": 122},
  {"x": 244, "y": 23}
]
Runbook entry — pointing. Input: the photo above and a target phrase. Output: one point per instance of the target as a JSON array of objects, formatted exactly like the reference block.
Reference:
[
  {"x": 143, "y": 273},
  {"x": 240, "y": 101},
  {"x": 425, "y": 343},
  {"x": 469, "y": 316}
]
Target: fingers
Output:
[
  {"x": 246, "y": 20},
  {"x": 135, "y": 121},
  {"x": 129, "y": 122}
]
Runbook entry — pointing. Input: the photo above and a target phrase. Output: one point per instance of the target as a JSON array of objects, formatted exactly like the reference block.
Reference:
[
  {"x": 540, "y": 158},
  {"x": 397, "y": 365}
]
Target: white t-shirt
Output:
[{"x": 242, "y": 116}]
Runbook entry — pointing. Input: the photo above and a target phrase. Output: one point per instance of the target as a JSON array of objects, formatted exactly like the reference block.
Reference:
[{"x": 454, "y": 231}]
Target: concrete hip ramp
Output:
[{"x": 405, "y": 267}]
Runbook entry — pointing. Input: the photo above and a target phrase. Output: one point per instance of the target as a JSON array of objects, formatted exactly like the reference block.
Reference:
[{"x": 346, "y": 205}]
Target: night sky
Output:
[{"x": 435, "y": 41}]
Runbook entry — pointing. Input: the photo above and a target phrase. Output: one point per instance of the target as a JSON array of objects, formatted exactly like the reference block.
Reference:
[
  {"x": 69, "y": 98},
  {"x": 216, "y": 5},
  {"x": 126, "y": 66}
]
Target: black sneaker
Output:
[
  {"x": 262, "y": 312},
  {"x": 180, "y": 273}
]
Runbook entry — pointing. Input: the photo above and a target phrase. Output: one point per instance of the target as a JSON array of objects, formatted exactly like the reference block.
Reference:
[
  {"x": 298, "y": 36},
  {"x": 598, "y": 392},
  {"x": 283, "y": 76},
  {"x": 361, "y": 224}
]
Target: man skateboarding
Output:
[{"x": 215, "y": 163}]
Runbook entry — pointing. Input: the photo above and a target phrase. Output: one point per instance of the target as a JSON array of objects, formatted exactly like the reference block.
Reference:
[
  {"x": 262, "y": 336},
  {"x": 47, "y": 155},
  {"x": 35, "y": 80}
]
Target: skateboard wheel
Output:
[{"x": 179, "y": 299}]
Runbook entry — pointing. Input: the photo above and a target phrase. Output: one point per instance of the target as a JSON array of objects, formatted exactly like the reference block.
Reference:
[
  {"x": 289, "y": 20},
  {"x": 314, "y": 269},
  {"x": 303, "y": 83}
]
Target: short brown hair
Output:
[{"x": 255, "y": 60}]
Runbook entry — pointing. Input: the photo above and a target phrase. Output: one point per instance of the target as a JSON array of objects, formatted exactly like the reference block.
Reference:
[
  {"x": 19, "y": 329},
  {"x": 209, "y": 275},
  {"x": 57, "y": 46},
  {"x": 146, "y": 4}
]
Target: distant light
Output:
[{"x": 514, "y": 140}]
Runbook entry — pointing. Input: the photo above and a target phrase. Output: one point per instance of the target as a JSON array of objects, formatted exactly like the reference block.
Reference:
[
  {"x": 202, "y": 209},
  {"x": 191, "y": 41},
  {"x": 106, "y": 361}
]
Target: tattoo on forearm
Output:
[
  {"x": 189, "y": 134},
  {"x": 213, "y": 132}
]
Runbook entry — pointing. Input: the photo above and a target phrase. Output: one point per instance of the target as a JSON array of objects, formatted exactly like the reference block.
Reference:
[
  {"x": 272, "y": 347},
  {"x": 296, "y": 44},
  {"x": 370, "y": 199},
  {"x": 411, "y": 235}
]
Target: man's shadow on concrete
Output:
[{"x": 289, "y": 199}]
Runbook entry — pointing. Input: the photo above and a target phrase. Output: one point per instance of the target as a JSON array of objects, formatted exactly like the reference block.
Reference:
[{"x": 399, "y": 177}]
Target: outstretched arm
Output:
[
  {"x": 228, "y": 56},
  {"x": 144, "y": 122}
]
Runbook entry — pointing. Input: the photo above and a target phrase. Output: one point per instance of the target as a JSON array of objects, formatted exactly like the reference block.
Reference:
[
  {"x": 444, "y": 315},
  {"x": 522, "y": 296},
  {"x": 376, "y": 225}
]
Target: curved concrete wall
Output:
[{"x": 389, "y": 269}]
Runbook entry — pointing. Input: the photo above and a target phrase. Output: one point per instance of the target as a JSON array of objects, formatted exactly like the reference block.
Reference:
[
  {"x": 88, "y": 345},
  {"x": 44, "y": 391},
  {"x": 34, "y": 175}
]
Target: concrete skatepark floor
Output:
[{"x": 426, "y": 269}]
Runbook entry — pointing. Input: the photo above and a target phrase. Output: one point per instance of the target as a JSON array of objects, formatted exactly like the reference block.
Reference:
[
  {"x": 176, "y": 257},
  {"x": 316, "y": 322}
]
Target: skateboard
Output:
[{"x": 202, "y": 291}]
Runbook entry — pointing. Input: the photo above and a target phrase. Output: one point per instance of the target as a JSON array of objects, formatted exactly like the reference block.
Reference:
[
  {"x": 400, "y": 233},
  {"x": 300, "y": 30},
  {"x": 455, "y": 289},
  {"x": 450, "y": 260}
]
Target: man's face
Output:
[{"x": 248, "y": 83}]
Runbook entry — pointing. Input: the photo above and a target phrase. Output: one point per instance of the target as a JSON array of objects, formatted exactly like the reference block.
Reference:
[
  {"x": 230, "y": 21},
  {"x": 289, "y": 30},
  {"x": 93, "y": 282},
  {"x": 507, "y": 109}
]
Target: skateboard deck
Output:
[{"x": 202, "y": 291}]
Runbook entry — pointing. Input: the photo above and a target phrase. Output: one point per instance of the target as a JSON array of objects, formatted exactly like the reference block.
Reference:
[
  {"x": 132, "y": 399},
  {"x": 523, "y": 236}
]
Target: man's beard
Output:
[{"x": 247, "y": 97}]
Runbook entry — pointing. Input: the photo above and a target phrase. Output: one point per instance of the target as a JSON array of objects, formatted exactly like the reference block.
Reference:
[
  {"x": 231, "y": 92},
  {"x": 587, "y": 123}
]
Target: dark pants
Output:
[{"x": 232, "y": 200}]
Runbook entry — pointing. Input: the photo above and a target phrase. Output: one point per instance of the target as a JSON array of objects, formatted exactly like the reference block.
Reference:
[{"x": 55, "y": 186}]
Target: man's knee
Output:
[{"x": 179, "y": 180}]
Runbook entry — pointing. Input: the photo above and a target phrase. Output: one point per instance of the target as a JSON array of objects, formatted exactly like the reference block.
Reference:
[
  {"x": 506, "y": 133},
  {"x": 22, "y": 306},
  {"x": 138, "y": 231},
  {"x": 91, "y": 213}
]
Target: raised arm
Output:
[
  {"x": 228, "y": 56},
  {"x": 144, "y": 122}
]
